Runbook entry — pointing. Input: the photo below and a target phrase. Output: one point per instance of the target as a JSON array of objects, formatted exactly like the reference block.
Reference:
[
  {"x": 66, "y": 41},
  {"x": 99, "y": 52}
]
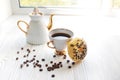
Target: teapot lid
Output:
[
  {"x": 36, "y": 11},
  {"x": 77, "y": 49}
]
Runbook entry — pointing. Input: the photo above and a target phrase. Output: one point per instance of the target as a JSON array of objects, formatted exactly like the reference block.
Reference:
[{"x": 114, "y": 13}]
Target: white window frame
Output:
[{"x": 105, "y": 9}]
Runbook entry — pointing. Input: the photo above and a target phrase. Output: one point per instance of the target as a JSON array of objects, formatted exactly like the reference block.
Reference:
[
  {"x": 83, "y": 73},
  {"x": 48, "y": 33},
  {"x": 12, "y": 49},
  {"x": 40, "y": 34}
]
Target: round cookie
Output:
[{"x": 77, "y": 49}]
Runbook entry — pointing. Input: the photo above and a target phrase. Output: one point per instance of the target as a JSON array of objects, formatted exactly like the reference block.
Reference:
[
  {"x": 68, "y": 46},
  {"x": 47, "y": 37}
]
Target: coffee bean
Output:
[
  {"x": 17, "y": 58},
  {"x": 68, "y": 61},
  {"x": 39, "y": 65},
  {"x": 33, "y": 50},
  {"x": 30, "y": 61},
  {"x": 55, "y": 65},
  {"x": 54, "y": 56},
  {"x": 33, "y": 59},
  {"x": 27, "y": 60},
  {"x": 22, "y": 48},
  {"x": 28, "y": 50},
  {"x": 34, "y": 66},
  {"x": 34, "y": 56},
  {"x": 27, "y": 65},
  {"x": 46, "y": 65},
  {"x": 50, "y": 68},
  {"x": 51, "y": 62},
  {"x": 37, "y": 61},
  {"x": 18, "y": 52},
  {"x": 73, "y": 63},
  {"x": 69, "y": 67},
  {"x": 27, "y": 54},
  {"x": 60, "y": 63},
  {"x": 40, "y": 69},
  {"x": 43, "y": 59},
  {"x": 21, "y": 66},
  {"x": 52, "y": 75},
  {"x": 24, "y": 62},
  {"x": 34, "y": 63},
  {"x": 24, "y": 56}
]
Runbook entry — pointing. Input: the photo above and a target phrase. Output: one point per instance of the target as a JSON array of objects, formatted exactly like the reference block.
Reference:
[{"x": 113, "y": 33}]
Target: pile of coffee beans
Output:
[{"x": 51, "y": 66}]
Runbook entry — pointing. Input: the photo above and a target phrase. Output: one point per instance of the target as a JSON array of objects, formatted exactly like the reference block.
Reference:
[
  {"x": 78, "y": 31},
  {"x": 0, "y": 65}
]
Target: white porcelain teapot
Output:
[{"x": 37, "y": 31}]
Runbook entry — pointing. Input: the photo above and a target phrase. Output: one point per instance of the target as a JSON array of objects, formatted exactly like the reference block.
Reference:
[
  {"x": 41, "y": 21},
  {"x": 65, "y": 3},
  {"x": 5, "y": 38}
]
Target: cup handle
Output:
[
  {"x": 20, "y": 27},
  {"x": 48, "y": 44}
]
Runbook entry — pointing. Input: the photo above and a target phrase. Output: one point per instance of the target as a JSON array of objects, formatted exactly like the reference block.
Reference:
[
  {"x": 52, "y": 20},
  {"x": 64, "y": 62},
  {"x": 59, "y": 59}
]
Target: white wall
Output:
[{"x": 5, "y": 9}]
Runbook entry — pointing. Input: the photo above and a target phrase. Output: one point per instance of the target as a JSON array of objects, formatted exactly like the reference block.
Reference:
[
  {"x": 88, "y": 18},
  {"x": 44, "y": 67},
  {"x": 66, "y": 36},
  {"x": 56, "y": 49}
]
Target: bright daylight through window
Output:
[
  {"x": 67, "y": 3},
  {"x": 48, "y": 3},
  {"x": 116, "y": 4}
]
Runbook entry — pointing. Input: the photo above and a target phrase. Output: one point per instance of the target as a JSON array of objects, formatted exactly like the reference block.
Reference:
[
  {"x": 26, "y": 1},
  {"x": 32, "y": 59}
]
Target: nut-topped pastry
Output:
[{"x": 77, "y": 49}]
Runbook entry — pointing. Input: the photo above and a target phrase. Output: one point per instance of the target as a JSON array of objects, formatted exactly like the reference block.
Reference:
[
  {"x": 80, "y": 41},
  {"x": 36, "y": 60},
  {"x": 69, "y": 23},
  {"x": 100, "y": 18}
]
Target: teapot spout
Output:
[{"x": 50, "y": 22}]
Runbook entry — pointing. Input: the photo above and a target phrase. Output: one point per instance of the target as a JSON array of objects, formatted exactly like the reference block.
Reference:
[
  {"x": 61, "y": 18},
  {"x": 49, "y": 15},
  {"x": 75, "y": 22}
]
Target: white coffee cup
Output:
[{"x": 58, "y": 38}]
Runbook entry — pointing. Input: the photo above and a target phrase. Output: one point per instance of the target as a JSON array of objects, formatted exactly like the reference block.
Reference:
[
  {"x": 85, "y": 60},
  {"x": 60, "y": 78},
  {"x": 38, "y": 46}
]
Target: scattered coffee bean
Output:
[
  {"x": 22, "y": 48},
  {"x": 68, "y": 61},
  {"x": 34, "y": 66},
  {"x": 24, "y": 62},
  {"x": 69, "y": 67},
  {"x": 73, "y": 63},
  {"x": 33, "y": 59},
  {"x": 27, "y": 54},
  {"x": 24, "y": 56},
  {"x": 51, "y": 62},
  {"x": 17, "y": 58},
  {"x": 54, "y": 56},
  {"x": 27, "y": 65},
  {"x": 52, "y": 75},
  {"x": 33, "y": 50},
  {"x": 27, "y": 60},
  {"x": 28, "y": 50},
  {"x": 60, "y": 63},
  {"x": 39, "y": 65},
  {"x": 21, "y": 66},
  {"x": 18, "y": 52},
  {"x": 46, "y": 65},
  {"x": 34, "y": 56},
  {"x": 30, "y": 61},
  {"x": 37, "y": 61},
  {"x": 56, "y": 66},
  {"x": 40, "y": 69},
  {"x": 43, "y": 59},
  {"x": 50, "y": 68},
  {"x": 34, "y": 63}
]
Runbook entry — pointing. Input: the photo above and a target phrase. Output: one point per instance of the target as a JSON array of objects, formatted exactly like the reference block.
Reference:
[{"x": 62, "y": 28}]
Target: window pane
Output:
[
  {"x": 48, "y": 3},
  {"x": 116, "y": 3}
]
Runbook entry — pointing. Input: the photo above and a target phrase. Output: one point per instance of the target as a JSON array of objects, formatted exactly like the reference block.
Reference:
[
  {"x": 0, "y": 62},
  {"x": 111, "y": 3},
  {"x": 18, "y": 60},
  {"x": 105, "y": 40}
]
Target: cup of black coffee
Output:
[{"x": 58, "y": 38}]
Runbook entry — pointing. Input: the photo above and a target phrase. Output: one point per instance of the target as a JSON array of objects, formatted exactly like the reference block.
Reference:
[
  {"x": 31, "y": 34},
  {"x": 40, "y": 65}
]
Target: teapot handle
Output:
[{"x": 20, "y": 27}]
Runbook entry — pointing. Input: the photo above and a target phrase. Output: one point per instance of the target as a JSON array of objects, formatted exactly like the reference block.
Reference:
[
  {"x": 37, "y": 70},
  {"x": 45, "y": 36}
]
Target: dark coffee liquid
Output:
[{"x": 61, "y": 34}]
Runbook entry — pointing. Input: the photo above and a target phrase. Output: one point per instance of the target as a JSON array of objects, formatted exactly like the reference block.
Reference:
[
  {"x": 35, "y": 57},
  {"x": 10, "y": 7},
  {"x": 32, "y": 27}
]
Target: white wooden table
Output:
[{"x": 101, "y": 33}]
